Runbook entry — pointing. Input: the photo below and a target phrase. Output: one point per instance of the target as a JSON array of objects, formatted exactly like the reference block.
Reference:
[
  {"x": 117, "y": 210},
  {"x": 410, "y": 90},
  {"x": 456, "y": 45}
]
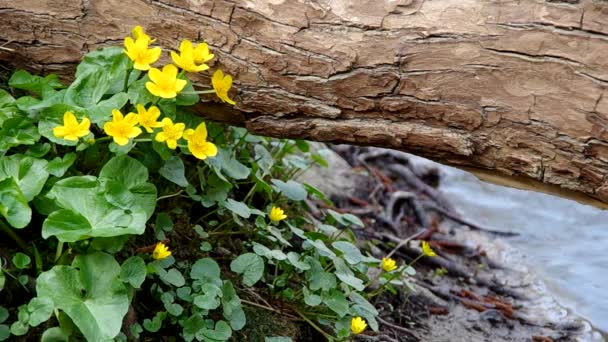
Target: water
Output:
[{"x": 564, "y": 242}]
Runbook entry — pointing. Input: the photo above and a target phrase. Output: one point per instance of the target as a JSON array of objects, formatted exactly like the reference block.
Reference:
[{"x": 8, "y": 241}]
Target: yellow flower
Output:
[
  {"x": 388, "y": 264},
  {"x": 148, "y": 119},
  {"x": 192, "y": 59},
  {"x": 427, "y": 250},
  {"x": 165, "y": 83},
  {"x": 198, "y": 144},
  {"x": 71, "y": 129},
  {"x": 202, "y": 54},
  {"x": 277, "y": 214},
  {"x": 122, "y": 128},
  {"x": 221, "y": 85},
  {"x": 357, "y": 325},
  {"x": 171, "y": 132},
  {"x": 161, "y": 251},
  {"x": 138, "y": 52},
  {"x": 138, "y": 33}
]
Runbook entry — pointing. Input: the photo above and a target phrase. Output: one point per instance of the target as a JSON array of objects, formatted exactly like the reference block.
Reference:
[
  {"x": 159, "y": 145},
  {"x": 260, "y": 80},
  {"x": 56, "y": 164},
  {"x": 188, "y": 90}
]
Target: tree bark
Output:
[{"x": 515, "y": 90}]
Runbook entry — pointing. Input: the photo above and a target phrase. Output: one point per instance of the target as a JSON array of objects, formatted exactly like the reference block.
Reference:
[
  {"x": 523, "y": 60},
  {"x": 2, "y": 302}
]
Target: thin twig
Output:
[
  {"x": 169, "y": 196},
  {"x": 6, "y": 49},
  {"x": 397, "y": 327},
  {"x": 403, "y": 242},
  {"x": 465, "y": 222},
  {"x": 269, "y": 309}
]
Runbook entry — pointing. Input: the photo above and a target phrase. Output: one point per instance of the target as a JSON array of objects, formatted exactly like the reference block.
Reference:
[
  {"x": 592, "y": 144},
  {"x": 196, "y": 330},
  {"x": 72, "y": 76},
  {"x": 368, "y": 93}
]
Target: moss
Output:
[{"x": 262, "y": 323}]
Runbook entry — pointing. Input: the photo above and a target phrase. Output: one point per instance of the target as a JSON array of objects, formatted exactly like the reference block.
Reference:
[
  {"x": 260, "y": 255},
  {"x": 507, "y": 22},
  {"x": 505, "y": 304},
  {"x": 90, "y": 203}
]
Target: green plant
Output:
[{"x": 92, "y": 201}]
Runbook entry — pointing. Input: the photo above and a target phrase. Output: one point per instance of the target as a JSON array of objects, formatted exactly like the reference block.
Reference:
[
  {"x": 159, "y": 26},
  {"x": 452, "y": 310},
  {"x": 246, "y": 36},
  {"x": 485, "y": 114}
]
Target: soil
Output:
[{"x": 474, "y": 290}]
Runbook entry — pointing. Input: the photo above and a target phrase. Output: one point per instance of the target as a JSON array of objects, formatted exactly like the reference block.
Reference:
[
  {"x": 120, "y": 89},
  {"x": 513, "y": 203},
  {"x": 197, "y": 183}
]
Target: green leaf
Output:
[
  {"x": 346, "y": 219},
  {"x": 206, "y": 270},
  {"x": 58, "y": 166},
  {"x": 207, "y": 301},
  {"x": 90, "y": 293},
  {"x": 5, "y": 332},
  {"x": 319, "y": 279},
  {"x": 350, "y": 252},
  {"x": 238, "y": 208},
  {"x": 21, "y": 260},
  {"x": 88, "y": 89},
  {"x": 344, "y": 273},
  {"x": 278, "y": 339},
  {"x": 19, "y": 328},
  {"x": 13, "y": 205},
  {"x": 264, "y": 251},
  {"x": 22, "y": 79},
  {"x": 133, "y": 271},
  {"x": 118, "y": 203},
  {"x": 320, "y": 247},
  {"x": 191, "y": 326},
  {"x": 2, "y": 279},
  {"x": 294, "y": 259},
  {"x": 336, "y": 301},
  {"x": 263, "y": 159},
  {"x": 250, "y": 265},
  {"x": 173, "y": 277},
  {"x": 156, "y": 323},
  {"x": 222, "y": 332},
  {"x": 55, "y": 334},
  {"x": 40, "y": 309},
  {"x": 138, "y": 94},
  {"x": 174, "y": 171},
  {"x": 3, "y": 314},
  {"x": 17, "y": 131},
  {"x": 102, "y": 112},
  {"x": 311, "y": 298},
  {"x": 29, "y": 173},
  {"x": 187, "y": 97},
  {"x": 292, "y": 189}
]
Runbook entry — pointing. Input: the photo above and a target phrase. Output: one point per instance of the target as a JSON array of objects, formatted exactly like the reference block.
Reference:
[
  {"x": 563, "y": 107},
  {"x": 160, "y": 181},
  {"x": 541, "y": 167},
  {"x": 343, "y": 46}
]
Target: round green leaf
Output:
[
  {"x": 250, "y": 265},
  {"x": 292, "y": 189},
  {"x": 40, "y": 309},
  {"x": 21, "y": 260},
  {"x": 133, "y": 271}
]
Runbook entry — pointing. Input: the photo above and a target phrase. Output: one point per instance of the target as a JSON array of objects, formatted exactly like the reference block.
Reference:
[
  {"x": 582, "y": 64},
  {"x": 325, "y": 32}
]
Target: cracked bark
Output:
[{"x": 511, "y": 90}]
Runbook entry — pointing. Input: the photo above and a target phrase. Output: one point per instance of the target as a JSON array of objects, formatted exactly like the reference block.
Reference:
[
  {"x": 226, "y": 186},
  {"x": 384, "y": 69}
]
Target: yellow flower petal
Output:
[
  {"x": 277, "y": 214},
  {"x": 357, "y": 325}
]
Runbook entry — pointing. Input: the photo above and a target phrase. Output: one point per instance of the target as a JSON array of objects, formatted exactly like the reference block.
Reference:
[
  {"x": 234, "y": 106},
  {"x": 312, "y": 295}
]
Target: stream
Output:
[{"x": 565, "y": 243}]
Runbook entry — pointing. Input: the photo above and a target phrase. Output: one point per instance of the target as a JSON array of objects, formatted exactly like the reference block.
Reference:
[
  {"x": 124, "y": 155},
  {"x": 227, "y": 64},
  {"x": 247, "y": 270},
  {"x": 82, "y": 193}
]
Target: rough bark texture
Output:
[{"x": 514, "y": 87}]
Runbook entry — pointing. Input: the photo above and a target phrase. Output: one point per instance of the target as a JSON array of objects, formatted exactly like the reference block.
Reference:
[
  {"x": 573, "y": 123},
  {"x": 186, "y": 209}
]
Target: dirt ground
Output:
[{"x": 474, "y": 290}]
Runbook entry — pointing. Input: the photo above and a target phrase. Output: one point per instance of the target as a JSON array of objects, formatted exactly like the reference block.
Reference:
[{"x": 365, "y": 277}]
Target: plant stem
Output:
[
  {"x": 169, "y": 196},
  {"x": 126, "y": 84},
  {"x": 13, "y": 236},
  {"x": 316, "y": 327},
  {"x": 59, "y": 251}
]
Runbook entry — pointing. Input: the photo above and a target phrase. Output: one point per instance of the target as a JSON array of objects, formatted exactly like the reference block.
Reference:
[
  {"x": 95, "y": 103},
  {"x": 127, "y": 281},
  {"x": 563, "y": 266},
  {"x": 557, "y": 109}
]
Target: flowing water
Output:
[{"x": 564, "y": 242}]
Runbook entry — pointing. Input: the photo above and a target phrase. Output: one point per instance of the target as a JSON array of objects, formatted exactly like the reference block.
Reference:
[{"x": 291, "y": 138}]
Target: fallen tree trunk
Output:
[{"x": 515, "y": 90}]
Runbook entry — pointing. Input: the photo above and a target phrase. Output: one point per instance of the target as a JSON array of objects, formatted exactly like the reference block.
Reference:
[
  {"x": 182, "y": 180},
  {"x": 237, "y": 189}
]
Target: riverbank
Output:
[{"x": 477, "y": 289}]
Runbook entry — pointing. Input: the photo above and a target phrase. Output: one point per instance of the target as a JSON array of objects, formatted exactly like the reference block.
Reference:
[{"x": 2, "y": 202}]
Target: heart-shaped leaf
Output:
[{"x": 90, "y": 293}]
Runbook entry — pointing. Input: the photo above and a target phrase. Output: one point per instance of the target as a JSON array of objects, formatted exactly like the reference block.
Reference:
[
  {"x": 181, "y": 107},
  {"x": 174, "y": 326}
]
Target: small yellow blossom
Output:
[
  {"x": 161, "y": 251},
  {"x": 427, "y": 250},
  {"x": 171, "y": 133},
  {"x": 165, "y": 83},
  {"x": 148, "y": 119},
  {"x": 277, "y": 214},
  {"x": 221, "y": 85},
  {"x": 190, "y": 58},
  {"x": 357, "y": 325},
  {"x": 202, "y": 54},
  {"x": 122, "y": 128},
  {"x": 71, "y": 129},
  {"x": 198, "y": 144},
  {"x": 138, "y": 52},
  {"x": 388, "y": 264},
  {"x": 138, "y": 33}
]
